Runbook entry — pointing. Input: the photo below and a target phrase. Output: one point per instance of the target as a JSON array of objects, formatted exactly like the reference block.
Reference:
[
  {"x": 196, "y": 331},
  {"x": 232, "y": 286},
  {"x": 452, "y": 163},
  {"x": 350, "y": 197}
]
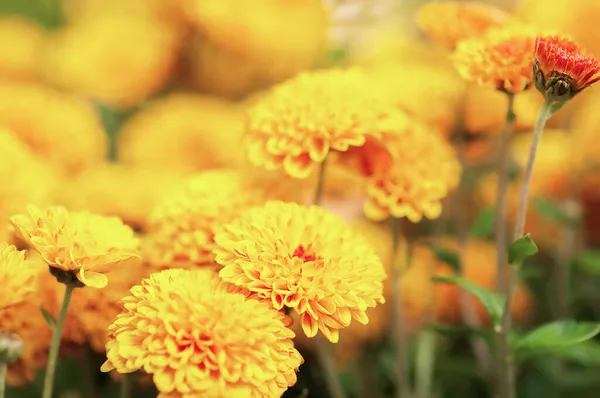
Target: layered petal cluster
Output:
[
  {"x": 296, "y": 124},
  {"x": 501, "y": 59},
  {"x": 182, "y": 226},
  {"x": 17, "y": 275},
  {"x": 424, "y": 172},
  {"x": 84, "y": 244},
  {"x": 196, "y": 339},
  {"x": 305, "y": 259},
  {"x": 562, "y": 68},
  {"x": 451, "y": 22}
]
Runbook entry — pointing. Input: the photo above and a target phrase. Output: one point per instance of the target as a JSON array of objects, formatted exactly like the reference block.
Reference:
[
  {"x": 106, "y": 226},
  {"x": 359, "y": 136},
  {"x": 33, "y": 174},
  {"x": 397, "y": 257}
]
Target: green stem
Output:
[
  {"x": 2, "y": 379},
  {"x": 125, "y": 388},
  {"x": 320, "y": 182},
  {"x": 55, "y": 345},
  {"x": 402, "y": 384},
  {"x": 509, "y": 384},
  {"x": 425, "y": 363}
]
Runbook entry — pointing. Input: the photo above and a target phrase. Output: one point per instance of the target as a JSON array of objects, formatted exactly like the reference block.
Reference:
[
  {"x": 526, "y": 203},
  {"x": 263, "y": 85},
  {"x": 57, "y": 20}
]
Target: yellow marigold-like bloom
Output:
[
  {"x": 502, "y": 59},
  {"x": 184, "y": 132},
  {"x": 17, "y": 275},
  {"x": 111, "y": 189},
  {"x": 299, "y": 122},
  {"x": 182, "y": 226},
  {"x": 302, "y": 258},
  {"x": 451, "y": 22},
  {"x": 87, "y": 245},
  {"x": 198, "y": 340},
  {"x": 424, "y": 172},
  {"x": 21, "y": 42},
  {"x": 56, "y": 126}
]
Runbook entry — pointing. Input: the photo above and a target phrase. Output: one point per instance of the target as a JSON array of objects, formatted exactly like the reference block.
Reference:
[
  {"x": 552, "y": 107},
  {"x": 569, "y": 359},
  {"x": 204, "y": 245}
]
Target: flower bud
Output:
[{"x": 11, "y": 347}]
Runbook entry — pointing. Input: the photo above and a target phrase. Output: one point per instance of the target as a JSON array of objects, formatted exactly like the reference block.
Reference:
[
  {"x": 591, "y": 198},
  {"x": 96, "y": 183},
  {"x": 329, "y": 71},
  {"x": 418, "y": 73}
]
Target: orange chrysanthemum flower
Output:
[
  {"x": 418, "y": 179},
  {"x": 196, "y": 339},
  {"x": 299, "y": 122},
  {"x": 80, "y": 244},
  {"x": 451, "y": 22},
  {"x": 17, "y": 275},
  {"x": 562, "y": 69},
  {"x": 502, "y": 58},
  {"x": 302, "y": 258}
]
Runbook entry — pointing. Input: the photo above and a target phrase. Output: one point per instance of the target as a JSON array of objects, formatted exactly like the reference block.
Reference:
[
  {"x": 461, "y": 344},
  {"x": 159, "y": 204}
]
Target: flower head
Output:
[
  {"x": 501, "y": 59},
  {"x": 302, "y": 258},
  {"x": 17, "y": 275},
  {"x": 20, "y": 40},
  {"x": 196, "y": 339},
  {"x": 422, "y": 174},
  {"x": 80, "y": 244},
  {"x": 299, "y": 122},
  {"x": 451, "y": 22},
  {"x": 562, "y": 69}
]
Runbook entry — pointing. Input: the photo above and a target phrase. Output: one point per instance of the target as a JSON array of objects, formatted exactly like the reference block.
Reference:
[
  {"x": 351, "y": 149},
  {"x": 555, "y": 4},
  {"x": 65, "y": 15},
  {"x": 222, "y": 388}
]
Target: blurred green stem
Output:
[
  {"x": 508, "y": 373},
  {"x": 125, "y": 387},
  {"x": 55, "y": 345},
  {"x": 2, "y": 379},
  {"x": 425, "y": 363}
]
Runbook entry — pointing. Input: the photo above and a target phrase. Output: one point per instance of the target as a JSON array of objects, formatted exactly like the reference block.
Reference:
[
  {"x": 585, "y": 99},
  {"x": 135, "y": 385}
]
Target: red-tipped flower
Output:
[{"x": 562, "y": 69}]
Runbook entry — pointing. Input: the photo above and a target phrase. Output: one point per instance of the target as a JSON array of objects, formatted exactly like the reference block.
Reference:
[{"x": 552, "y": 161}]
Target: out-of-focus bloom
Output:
[
  {"x": 57, "y": 127},
  {"x": 184, "y": 132},
  {"x": 182, "y": 225},
  {"x": 198, "y": 340},
  {"x": 21, "y": 41},
  {"x": 302, "y": 258},
  {"x": 87, "y": 245},
  {"x": 17, "y": 275},
  {"x": 162, "y": 12},
  {"x": 502, "y": 59},
  {"x": 127, "y": 192},
  {"x": 25, "y": 179},
  {"x": 114, "y": 58},
  {"x": 297, "y": 124},
  {"x": 451, "y": 22},
  {"x": 562, "y": 69},
  {"x": 423, "y": 173}
]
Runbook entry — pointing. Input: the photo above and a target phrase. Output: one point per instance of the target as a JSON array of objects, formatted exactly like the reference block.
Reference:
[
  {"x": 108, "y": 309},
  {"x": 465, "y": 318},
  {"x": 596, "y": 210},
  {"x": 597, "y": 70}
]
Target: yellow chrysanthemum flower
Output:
[
  {"x": 80, "y": 243},
  {"x": 299, "y": 122},
  {"x": 184, "y": 132},
  {"x": 21, "y": 42},
  {"x": 501, "y": 59},
  {"x": 424, "y": 172},
  {"x": 196, "y": 339},
  {"x": 57, "y": 127},
  {"x": 451, "y": 22},
  {"x": 182, "y": 226},
  {"x": 17, "y": 275},
  {"x": 302, "y": 258}
]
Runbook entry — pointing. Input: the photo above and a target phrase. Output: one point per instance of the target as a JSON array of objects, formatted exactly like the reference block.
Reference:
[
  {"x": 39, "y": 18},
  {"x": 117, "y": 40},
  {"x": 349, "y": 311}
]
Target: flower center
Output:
[{"x": 304, "y": 254}]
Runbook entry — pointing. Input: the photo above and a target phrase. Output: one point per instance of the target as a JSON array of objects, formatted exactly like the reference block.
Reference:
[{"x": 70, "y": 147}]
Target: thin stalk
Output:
[
  {"x": 509, "y": 385},
  {"x": 425, "y": 363},
  {"x": 402, "y": 385},
  {"x": 125, "y": 387},
  {"x": 55, "y": 345},
  {"x": 566, "y": 252},
  {"x": 320, "y": 183},
  {"x": 2, "y": 379}
]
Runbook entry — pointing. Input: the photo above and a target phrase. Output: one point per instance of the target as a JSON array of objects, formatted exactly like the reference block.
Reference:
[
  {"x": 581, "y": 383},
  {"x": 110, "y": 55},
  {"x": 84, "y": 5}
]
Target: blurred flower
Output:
[
  {"x": 562, "y": 69},
  {"x": 162, "y": 12},
  {"x": 300, "y": 121},
  {"x": 302, "y": 258},
  {"x": 32, "y": 181},
  {"x": 451, "y": 22},
  {"x": 87, "y": 245},
  {"x": 17, "y": 275},
  {"x": 182, "y": 225},
  {"x": 114, "y": 58},
  {"x": 424, "y": 172},
  {"x": 196, "y": 339},
  {"x": 20, "y": 40},
  {"x": 184, "y": 132},
  {"x": 57, "y": 127},
  {"x": 110, "y": 189},
  {"x": 501, "y": 59}
]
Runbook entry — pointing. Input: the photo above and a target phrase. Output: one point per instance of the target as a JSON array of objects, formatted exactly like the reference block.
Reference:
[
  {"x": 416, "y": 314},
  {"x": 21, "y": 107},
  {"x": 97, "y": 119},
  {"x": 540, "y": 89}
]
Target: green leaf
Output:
[
  {"x": 48, "y": 317},
  {"x": 520, "y": 249},
  {"x": 555, "y": 337},
  {"x": 493, "y": 302},
  {"x": 586, "y": 353},
  {"x": 483, "y": 227},
  {"x": 589, "y": 261},
  {"x": 447, "y": 256},
  {"x": 552, "y": 211}
]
